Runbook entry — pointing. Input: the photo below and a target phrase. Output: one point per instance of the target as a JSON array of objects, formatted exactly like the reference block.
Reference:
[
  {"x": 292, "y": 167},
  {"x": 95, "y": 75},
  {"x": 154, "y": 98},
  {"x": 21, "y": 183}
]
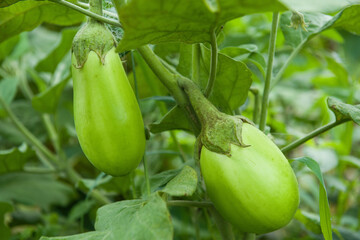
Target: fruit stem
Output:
[
  {"x": 202, "y": 106},
  {"x": 169, "y": 80}
]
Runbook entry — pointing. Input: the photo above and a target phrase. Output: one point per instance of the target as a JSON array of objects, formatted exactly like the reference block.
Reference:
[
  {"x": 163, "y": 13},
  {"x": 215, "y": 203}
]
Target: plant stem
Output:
[
  {"x": 85, "y": 5},
  {"x": 28, "y": 135},
  {"x": 213, "y": 65},
  {"x": 224, "y": 227},
  {"x": 135, "y": 78},
  {"x": 146, "y": 172},
  {"x": 269, "y": 69},
  {"x": 286, "y": 64},
  {"x": 170, "y": 81},
  {"x": 255, "y": 92},
  {"x": 186, "y": 203},
  {"x": 312, "y": 135},
  {"x": 87, "y": 13}
]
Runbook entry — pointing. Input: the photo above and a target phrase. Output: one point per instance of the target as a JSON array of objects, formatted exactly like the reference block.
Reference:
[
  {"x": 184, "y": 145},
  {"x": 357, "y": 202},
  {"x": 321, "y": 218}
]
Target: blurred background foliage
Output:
[{"x": 35, "y": 77}]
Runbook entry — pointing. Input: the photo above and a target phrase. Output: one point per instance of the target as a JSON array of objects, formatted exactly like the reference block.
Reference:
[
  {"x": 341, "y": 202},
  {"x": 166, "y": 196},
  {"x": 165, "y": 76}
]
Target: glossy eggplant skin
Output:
[
  {"x": 255, "y": 188},
  {"x": 107, "y": 117}
]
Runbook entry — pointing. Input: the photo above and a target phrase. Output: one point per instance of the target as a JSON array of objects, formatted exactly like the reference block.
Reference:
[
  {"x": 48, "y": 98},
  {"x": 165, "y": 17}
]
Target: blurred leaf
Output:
[
  {"x": 85, "y": 236},
  {"x": 351, "y": 160},
  {"x": 184, "y": 184},
  {"x": 350, "y": 19},
  {"x": 6, "y": 3},
  {"x": 158, "y": 21},
  {"x": 174, "y": 119},
  {"x": 50, "y": 62},
  {"x": 325, "y": 157},
  {"x": 328, "y": 6},
  {"x": 14, "y": 159},
  {"x": 4, "y": 230},
  {"x": 7, "y": 46},
  {"x": 32, "y": 189},
  {"x": 80, "y": 209},
  {"x": 8, "y": 88},
  {"x": 324, "y": 209},
  {"x": 27, "y": 15},
  {"x": 310, "y": 220},
  {"x": 344, "y": 111},
  {"x": 47, "y": 101},
  {"x": 136, "y": 219}
]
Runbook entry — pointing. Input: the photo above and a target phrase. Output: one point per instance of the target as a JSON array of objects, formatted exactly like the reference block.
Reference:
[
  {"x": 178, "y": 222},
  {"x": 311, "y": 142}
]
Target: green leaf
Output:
[
  {"x": 344, "y": 111},
  {"x": 6, "y": 3},
  {"x": 324, "y": 209},
  {"x": 310, "y": 220},
  {"x": 350, "y": 19},
  {"x": 8, "y": 88},
  {"x": 174, "y": 119},
  {"x": 80, "y": 209},
  {"x": 34, "y": 189},
  {"x": 163, "y": 21},
  {"x": 136, "y": 219},
  {"x": 14, "y": 159},
  {"x": 328, "y": 6},
  {"x": 159, "y": 181},
  {"x": 316, "y": 23},
  {"x": 51, "y": 61},
  {"x": 233, "y": 78},
  {"x": 47, "y": 101},
  {"x": 233, "y": 81},
  {"x": 351, "y": 160},
  {"x": 4, "y": 230},
  {"x": 184, "y": 184},
  {"x": 27, "y": 15},
  {"x": 7, "y": 47},
  {"x": 85, "y": 236}
]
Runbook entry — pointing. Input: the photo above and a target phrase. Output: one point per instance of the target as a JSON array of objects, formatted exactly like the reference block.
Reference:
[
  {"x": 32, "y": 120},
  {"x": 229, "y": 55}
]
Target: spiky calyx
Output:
[{"x": 87, "y": 39}]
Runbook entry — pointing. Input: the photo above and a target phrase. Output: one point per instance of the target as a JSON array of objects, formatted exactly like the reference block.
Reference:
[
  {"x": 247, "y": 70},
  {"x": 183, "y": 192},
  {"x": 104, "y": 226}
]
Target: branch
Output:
[
  {"x": 28, "y": 135},
  {"x": 170, "y": 81},
  {"x": 312, "y": 135},
  {"x": 87, "y": 13},
  {"x": 269, "y": 69},
  {"x": 286, "y": 64}
]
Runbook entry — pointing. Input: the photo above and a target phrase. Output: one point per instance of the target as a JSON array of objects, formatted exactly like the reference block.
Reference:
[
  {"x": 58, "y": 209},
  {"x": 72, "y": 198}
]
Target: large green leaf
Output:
[
  {"x": 136, "y": 219},
  {"x": 26, "y": 15},
  {"x": 185, "y": 21}
]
